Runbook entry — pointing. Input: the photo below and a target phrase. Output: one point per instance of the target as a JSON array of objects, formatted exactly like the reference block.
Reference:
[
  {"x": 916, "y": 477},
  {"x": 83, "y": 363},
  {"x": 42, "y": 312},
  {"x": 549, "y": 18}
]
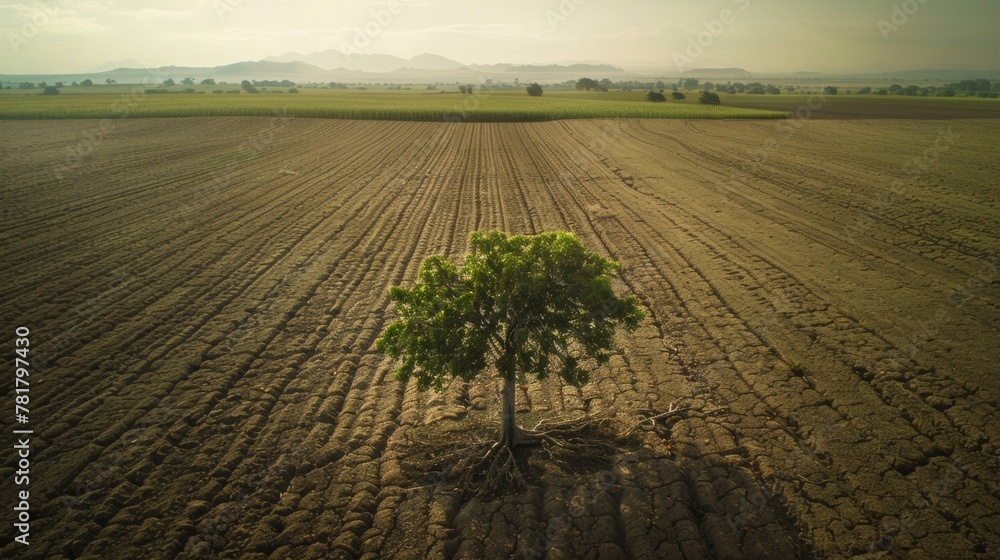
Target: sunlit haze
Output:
[{"x": 760, "y": 35}]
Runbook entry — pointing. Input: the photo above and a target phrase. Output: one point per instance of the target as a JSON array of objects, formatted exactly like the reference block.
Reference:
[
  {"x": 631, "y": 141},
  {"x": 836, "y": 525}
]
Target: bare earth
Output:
[{"x": 203, "y": 297}]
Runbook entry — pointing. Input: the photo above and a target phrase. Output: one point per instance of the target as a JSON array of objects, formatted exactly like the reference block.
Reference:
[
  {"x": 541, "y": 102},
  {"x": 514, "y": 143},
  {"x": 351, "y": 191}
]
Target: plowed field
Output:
[{"x": 204, "y": 294}]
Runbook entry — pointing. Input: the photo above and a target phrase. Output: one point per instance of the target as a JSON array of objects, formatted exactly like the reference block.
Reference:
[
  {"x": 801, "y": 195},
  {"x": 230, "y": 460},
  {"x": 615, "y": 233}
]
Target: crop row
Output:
[{"x": 360, "y": 106}]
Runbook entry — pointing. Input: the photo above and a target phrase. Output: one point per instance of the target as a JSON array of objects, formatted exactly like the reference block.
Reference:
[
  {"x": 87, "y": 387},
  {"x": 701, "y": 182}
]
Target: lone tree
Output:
[
  {"x": 525, "y": 305},
  {"x": 656, "y": 97},
  {"x": 534, "y": 90},
  {"x": 709, "y": 98}
]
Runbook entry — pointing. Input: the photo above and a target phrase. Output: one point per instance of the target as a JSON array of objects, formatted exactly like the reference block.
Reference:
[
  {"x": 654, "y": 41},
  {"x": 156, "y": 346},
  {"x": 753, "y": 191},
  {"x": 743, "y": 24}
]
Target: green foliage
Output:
[
  {"x": 87, "y": 83},
  {"x": 50, "y": 90},
  {"x": 534, "y": 90},
  {"x": 797, "y": 369},
  {"x": 249, "y": 87},
  {"x": 169, "y": 82},
  {"x": 493, "y": 106},
  {"x": 973, "y": 87},
  {"x": 656, "y": 96},
  {"x": 709, "y": 98},
  {"x": 527, "y": 305},
  {"x": 678, "y": 95},
  {"x": 588, "y": 84}
]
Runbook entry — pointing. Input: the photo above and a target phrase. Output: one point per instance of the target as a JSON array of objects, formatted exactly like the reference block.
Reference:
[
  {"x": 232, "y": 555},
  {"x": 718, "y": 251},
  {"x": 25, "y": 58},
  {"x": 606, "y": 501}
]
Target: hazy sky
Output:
[{"x": 50, "y": 36}]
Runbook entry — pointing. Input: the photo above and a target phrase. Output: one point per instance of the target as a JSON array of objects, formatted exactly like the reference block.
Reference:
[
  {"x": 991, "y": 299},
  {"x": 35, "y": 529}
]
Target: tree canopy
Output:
[
  {"x": 709, "y": 98},
  {"x": 656, "y": 96},
  {"x": 588, "y": 84},
  {"x": 527, "y": 305},
  {"x": 524, "y": 305}
]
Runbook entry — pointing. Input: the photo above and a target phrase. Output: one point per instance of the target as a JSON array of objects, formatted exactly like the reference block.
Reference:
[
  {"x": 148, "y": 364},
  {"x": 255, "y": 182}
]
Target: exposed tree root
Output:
[
  {"x": 468, "y": 457},
  {"x": 474, "y": 462},
  {"x": 675, "y": 412}
]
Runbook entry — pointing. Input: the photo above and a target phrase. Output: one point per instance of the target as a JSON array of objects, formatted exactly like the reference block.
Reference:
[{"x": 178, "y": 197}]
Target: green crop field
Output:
[
  {"x": 119, "y": 101},
  {"x": 853, "y": 106}
]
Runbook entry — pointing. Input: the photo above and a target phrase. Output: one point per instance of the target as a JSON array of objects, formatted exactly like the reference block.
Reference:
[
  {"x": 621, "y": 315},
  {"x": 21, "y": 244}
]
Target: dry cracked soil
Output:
[{"x": 203, "y": 296}]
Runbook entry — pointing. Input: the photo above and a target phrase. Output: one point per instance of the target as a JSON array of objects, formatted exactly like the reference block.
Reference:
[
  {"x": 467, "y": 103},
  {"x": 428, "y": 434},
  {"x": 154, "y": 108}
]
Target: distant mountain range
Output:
[
  {"x": 333, "y": 65},
  {"x": 334, "y": 59}
]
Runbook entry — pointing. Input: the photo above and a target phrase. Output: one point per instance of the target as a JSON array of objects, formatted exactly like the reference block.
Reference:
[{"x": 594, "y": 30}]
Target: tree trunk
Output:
[{"x": 510, "y": 433}]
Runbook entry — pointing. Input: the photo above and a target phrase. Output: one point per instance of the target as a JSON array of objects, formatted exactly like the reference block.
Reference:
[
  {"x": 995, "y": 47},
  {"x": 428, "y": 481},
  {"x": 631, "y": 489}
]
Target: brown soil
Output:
[{"x": 204, "y": 294}]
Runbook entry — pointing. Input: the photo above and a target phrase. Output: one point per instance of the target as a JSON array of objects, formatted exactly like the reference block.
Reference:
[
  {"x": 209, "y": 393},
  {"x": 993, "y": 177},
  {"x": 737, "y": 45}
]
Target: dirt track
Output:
[{"x": 204, "y": 295}]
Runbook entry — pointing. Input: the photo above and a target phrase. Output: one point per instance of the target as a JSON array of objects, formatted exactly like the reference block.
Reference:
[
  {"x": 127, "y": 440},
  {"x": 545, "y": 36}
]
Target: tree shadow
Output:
[{"x": 460, "y": 455}]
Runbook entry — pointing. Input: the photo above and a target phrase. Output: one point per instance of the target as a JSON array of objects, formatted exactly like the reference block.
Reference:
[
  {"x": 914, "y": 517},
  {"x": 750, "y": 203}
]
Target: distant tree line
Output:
[
  {"x": 964, "y": 88},
  {"x": 590, "y": 84}
]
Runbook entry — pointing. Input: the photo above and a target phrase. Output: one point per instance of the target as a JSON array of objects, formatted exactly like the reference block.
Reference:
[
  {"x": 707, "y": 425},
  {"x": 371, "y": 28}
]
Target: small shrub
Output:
[
  {"x": 678, "y": 95},
  {"x": 709, "y": 98},
  {"x": 797, "y": 369},
  {"x": 534, "y": 90},
  {"x": 656, "y": 97},
  {"x": 50, "y": 90}
]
